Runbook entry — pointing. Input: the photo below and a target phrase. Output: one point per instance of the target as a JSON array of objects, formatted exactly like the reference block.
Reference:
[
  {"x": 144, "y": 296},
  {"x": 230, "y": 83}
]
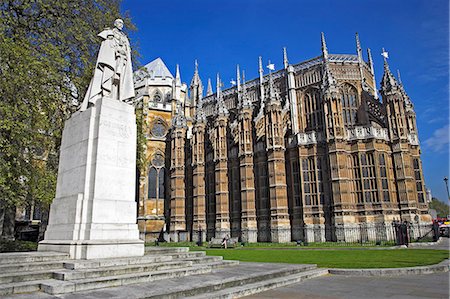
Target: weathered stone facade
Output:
[{"x": 303, "y": 153}]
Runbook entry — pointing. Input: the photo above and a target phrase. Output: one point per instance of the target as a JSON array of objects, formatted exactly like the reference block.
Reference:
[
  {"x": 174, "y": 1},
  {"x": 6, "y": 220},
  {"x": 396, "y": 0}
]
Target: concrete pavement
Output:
[{"x": 354, "y": 287}]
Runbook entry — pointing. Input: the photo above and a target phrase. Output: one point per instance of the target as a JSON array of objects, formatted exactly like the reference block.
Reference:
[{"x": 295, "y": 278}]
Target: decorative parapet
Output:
[
  {"x": 358, "y": 133},
  {"x": 413, "y": 139},
  {"x": 309, "y": 138}
]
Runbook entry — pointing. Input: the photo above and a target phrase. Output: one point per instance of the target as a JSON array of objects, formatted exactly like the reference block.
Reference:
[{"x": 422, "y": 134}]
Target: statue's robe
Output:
[{"x": 105, "y": 70}]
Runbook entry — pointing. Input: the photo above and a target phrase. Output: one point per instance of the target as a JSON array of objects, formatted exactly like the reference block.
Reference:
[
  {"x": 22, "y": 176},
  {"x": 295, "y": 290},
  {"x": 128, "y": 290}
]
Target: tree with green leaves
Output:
[
  {"x": 442, "y": 209},
  {"x": 47, "y": 55}
]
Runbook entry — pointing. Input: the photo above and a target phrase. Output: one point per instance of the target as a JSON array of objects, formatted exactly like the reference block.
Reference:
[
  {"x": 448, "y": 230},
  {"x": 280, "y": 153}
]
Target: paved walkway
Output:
[{"x": 353, "y": 287}]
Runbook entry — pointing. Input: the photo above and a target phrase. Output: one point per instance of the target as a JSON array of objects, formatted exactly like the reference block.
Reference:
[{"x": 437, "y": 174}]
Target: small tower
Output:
[
  {"x": 195, "y": 89},
  {"x": 280, "y": 227},
  {"x": 222, "y": 226},
  {"x": 177, "y": 176}
]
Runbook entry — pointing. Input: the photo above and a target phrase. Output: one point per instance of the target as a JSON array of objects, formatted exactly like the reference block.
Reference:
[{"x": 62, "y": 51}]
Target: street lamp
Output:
[{"x": 446, "y": 186}]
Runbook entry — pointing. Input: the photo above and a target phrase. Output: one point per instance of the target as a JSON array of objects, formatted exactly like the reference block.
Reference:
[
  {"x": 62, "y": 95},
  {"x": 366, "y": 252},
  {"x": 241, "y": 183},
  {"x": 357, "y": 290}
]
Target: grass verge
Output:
[
  {"x": 348, "y": 259},
  {"x": 17, "y": 246}
]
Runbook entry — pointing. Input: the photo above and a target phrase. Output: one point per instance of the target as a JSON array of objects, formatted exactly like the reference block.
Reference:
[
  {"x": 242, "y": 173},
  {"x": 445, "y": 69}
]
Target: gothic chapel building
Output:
[{"x": 307, "y": 153}]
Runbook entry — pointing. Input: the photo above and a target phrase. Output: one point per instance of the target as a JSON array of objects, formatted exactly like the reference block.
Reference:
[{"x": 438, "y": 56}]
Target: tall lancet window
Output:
[
  {"x": 152, "y": 183},
  {"x": 418, "y": 177},
  {"x": 313, "y": 110},
  {"x": 156, "y": 177},
  {"x": 349, "y": 100}
]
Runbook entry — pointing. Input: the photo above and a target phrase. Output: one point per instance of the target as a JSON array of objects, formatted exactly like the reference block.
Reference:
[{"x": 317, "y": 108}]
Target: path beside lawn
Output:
[{"x": 347, "y": 259}]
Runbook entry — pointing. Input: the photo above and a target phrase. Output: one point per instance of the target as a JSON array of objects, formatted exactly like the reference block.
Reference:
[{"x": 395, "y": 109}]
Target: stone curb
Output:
[
  {"x": 425, "y": 244},
  {"x": 437, "y": 268}
]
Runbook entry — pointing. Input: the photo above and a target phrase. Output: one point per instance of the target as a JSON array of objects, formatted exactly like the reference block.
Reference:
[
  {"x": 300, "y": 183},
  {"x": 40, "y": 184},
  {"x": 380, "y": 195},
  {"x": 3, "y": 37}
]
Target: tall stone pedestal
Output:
[{"x": 94, "y": 212}]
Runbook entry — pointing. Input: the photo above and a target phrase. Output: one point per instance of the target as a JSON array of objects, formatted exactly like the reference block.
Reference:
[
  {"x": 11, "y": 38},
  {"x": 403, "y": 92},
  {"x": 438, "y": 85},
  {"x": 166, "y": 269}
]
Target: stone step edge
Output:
[
  {"x": 158, "y": 250},
  {"x": 262, "y": 286},
  {"x": 232, "y": 282},
  {"x": 7, "y": 259},
  {"x": 54, "y": 287},
  {"x": 20, "y": 287},
  {"x": 33, "y": 275},
  {"x": 11, "y": 268},
  {"x": 169, "y": 264},
  {"x": 96, "y": 263},
  {"x": 436, "y": 268}
]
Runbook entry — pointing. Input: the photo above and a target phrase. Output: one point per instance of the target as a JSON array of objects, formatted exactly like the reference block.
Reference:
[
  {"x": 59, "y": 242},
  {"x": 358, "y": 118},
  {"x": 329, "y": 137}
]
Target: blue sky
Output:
[{"x": 221, "y": 34}]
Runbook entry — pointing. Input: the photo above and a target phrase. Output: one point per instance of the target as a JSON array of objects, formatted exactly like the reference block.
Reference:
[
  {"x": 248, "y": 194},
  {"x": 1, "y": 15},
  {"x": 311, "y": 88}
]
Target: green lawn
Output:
[{"x": 338, "y": 258}]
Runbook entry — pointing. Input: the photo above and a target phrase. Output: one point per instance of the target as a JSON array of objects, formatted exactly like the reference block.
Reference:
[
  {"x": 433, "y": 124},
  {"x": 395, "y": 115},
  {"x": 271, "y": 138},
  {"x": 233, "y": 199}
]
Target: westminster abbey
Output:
[{"x": 302, "y": 153}]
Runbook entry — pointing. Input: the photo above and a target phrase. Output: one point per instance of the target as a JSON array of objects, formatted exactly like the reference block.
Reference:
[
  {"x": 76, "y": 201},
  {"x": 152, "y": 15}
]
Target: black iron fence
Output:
[{"x": 380, "y": 234}]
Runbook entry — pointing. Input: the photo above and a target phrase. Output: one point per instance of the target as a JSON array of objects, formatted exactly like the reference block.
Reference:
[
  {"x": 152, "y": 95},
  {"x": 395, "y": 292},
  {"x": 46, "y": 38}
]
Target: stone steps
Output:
[
  {"x": 20, "y": 287},
  {"x": 61, "y": 287},
  {"x": 31, "y": 267},
  {"x": 165, "y": 250},
  {"x": 91, "y": 264},
  {"x": 118, "y": 270},
  {"x": 261, "y": 286},
  {"x": 54, "y": 273},
  {"x": 243, "y": 280},
  {"x": 31, "y": 257},
  {"x": 25, "y": 276}
]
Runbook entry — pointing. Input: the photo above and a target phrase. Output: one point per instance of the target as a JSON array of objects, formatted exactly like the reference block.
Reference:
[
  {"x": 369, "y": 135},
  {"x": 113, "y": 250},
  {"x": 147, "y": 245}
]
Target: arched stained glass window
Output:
[
  {"x": 349, "y": 101},
  {"x": 157, "y": 97},
  {"x": 161, "y": 183},
  {"x": 313, "y": 110},
  {"x": 152, "y": 183}
]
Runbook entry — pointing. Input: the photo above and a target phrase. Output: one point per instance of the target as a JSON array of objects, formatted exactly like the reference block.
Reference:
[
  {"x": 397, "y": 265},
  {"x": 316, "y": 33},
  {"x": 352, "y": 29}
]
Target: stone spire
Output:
[
  {"x": 196, "y": 81},
  {"x": 285, "y": 58},
  {"x": 178, "y": 77},
  {"x": 209, "y": 90},
  {"x": 360, "y": 62},
  {"x": 179, "y": 120},
  {"x": 324, "y": 47},
  {"x": 196, "y": 88},
  {"x": 388, "y": 81},
  {"x": 399, "y": 78},
  {"x": 272, "y": 95},
  {"x": 372, "y": 71},
  {"x": 200, "y": 115},
  {"x": 261, "y": 80},
  {"x": 221, "y": 109},
  {"x": 246, "y": 102},
  {"x": 329, "y": 84},
  {"x": 358, "y": 48},
  {"x": 238, "y": 78}
]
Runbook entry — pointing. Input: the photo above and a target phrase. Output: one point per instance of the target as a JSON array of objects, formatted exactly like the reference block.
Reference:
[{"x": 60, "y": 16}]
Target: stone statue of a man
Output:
[{"x": 113, "y": 74}]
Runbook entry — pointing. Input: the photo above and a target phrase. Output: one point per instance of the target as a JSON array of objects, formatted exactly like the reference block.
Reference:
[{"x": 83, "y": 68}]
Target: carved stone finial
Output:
[
  {"x": 209, "y": 90},
  {"x": 285, "y": 58},
  {"x": 324, "y": 46},
  {"x": 179, "y": 120}
]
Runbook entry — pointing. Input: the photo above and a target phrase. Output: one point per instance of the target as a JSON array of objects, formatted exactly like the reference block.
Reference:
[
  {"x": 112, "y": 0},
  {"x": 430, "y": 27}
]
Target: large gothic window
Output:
[
  {"x": 364, "y": 178},
  {"x": 418, "y": 177},
  {"x": 152, "y": 183},
  {"x": 349, "y": 102},
  {"x": 383, "y": 177},
  {"x": 157, "y": 97},
  {"x": 156, "y": 177},
  {"x": 313, "y": 110},
  {"x": 369, "y": 177},
  {"x": 158, "y": 128},
  {"x": 357, "y": 187},
  {"x": 309, "y": 181}
]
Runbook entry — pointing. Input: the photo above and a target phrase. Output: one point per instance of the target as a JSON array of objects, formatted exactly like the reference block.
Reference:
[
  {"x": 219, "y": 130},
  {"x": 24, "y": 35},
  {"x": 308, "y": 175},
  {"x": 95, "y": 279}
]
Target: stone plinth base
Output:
[
  {"x": 95, "y": 249},
  {"x": 249, "y": 235},
  {"x": 280, "y": 234},
  {"x": 94, "y": 212}
]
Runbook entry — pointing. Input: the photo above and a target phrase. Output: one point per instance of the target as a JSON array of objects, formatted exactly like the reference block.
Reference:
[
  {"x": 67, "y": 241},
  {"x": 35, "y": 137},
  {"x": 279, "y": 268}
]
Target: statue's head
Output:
[{"x": 118, "y": 24}]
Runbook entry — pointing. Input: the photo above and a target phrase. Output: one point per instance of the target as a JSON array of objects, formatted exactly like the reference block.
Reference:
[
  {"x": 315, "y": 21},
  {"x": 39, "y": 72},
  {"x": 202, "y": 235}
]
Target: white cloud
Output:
[{"x": 440, "y": 139}]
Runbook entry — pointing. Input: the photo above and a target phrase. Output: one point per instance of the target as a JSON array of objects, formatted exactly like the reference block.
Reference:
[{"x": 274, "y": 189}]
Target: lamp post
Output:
[{"x": 446, "y": 187}]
